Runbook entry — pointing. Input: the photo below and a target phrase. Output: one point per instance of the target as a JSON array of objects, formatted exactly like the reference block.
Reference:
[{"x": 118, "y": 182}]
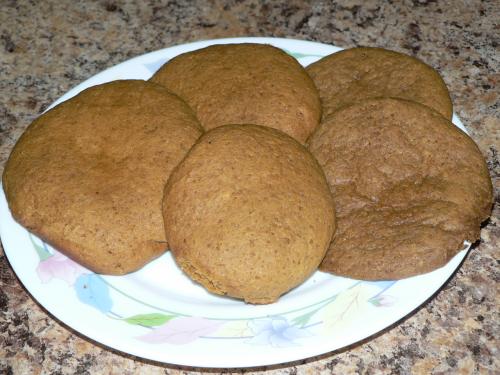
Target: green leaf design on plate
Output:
[
  {"x": 299, "y": 55},
  {"x": 149, "y": 320},
  {"x": 302, "y": 320},
  {"x": 43, "y": 254}
]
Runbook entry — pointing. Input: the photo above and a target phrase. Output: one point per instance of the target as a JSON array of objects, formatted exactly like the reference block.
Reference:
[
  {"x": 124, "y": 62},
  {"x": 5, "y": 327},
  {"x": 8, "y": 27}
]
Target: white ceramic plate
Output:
[{"x": 158, "y": 313}]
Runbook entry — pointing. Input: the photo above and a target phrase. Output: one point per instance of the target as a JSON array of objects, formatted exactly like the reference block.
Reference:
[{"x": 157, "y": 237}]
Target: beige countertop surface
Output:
[{"x": 48, "y": 47}]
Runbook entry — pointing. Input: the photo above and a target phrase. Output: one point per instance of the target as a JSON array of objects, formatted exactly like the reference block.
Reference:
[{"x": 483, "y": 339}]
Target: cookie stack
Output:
[{"x": 245, "y": 164}]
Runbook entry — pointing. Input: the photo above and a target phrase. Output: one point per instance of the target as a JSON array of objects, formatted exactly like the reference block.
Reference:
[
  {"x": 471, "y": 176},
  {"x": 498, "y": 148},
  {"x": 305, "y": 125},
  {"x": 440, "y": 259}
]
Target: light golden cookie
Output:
[
  {"x": 245, "y": 84},
  {"x": 248, "y": 213},
  {"x": 351, "y": 75},
  {"x": 88, "y": 175},
  {"x": 408, "y": 185}
]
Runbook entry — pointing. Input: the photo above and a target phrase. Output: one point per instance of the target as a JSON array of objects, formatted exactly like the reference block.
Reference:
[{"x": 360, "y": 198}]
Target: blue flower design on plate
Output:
[
  {"x": 276, "y": 331},
  {"x": 92, "y": 290}
]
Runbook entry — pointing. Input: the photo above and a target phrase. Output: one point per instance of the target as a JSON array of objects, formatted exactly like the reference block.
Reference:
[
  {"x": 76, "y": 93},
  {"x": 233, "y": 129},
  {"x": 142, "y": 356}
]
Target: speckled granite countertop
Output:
[{"x": 48, "y": 48}]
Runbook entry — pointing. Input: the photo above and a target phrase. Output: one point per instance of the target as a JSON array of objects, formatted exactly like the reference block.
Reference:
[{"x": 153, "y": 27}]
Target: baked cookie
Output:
[
  {"x": 408, "y": 185},
  {"x": 248, "y": 213},
  {"x": 351, "y": 75},
  {"x": 88, "y": 175},
  {"x": 245, "y": 84}
]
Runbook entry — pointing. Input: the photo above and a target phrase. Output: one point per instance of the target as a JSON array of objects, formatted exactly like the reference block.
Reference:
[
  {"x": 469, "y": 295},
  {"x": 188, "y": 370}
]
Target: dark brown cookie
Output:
[
  {"x": 351, "y": 75},
  {"x": 408, "y": 185},
  {"x": 245, "y": 84},
  {"x": 88, "y": 175},
  {"x": 248, "y": 213}
]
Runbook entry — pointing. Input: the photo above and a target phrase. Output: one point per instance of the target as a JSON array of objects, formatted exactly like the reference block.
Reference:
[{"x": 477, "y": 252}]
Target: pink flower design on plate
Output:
[
  {"x": 182, "y": 330},
  {"x": 60, "y": 267}
]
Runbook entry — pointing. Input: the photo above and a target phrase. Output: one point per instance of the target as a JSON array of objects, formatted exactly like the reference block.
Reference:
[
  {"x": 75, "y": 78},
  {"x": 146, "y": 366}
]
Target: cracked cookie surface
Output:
[{"x": 408, "y": 185}]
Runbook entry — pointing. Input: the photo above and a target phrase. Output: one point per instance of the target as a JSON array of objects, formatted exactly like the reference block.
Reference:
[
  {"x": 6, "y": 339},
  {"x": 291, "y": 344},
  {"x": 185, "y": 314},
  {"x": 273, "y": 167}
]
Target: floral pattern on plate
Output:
[{"x": 283, "y": 330}]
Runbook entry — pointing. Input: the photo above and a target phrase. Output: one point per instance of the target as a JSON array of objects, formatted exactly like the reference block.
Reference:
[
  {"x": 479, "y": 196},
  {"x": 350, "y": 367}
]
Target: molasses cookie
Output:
[
  {"x": 245, "y": 84},
  {"x": 88, "y": 175},
  {"x": 408, "y": 185},
  {"x": 351, "y": 75},
  {"x": 248, "y": 213}
]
